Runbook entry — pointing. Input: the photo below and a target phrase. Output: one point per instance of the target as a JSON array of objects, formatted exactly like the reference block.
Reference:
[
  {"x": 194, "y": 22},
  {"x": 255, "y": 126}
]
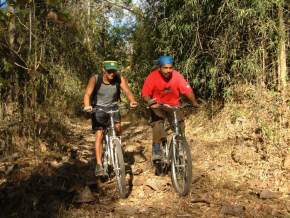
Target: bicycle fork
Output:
[
  {"x": 167, "y": 147},
  {"x": 176, "y": 145},
  {"x": 109, "y": 154},
  {"x": 108, "y": 144},
  {"x": 110, "y": 148},
  {"x": 106, "y": 153}
]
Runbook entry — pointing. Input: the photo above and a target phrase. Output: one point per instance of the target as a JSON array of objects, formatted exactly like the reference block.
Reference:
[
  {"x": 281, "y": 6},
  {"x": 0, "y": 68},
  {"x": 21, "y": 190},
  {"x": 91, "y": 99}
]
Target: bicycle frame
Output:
[
  {"x": 112, "y": 151},
  {"x": 176, "y": 132},
  {"x": 177, "y": 155},
  {"x": 109, "y": 136}
]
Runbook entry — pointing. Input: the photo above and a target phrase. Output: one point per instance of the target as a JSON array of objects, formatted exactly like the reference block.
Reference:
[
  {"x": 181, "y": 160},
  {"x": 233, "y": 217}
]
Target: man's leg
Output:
[
  {"x": 117, "y": 121},
  {"x": 99, "y": 150},
  {"x": 158, "y": 133},
  {"x": 180, "y": 118}
]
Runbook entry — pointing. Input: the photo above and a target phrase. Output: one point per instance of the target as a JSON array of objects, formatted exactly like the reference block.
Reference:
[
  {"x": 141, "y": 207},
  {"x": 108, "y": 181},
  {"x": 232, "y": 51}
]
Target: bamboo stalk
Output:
[{"x": 282, "y": 66}]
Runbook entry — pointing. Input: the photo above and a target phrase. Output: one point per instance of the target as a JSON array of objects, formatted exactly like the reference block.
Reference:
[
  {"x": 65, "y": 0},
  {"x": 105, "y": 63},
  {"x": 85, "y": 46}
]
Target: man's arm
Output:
[
  {"x": 89, "y": 90},
  {"x": 146, "y": 99},
  {"x": 151, "y": 102},
  {"x": 125, "y": 88},
  {"x": 147, "y": 91},
  {"x": 192, "y": 98},
  {"x": 186, "y": 90}
]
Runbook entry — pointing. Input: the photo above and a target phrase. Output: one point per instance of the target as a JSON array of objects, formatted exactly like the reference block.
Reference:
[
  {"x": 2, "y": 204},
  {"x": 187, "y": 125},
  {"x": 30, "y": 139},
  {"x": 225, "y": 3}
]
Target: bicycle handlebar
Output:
[
  {"x": 174, "y": 108},
  {"x": 108, "y": 108},
  {"x": 108, "y": 112}
]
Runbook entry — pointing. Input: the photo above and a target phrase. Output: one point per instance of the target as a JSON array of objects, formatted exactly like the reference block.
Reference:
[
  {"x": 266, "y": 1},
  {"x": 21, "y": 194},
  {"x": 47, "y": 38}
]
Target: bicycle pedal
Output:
[
  {"x": 157, "y": 172},
  {"x": 166, "y": 162},
  {"x": 158, "y": 168},
  {"x": 157, "y": 163},
  {"x": 104, "y": 178}
]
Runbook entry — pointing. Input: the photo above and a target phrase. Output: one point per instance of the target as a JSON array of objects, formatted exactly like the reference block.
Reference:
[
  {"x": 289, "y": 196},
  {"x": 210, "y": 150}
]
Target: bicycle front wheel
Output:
[
  {"x": 119, "y": 168},
  {"x": 181, "y": 166}
]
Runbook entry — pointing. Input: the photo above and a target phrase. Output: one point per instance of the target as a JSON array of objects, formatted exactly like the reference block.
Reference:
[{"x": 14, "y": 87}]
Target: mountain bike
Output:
[
  {"x": 176, "y": 155},
  {"x": 112, "y": 157}
]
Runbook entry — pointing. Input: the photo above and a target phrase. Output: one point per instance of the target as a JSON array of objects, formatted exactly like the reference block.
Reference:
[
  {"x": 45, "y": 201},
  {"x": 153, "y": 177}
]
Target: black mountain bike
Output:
[{"x": 176, "y": 155}]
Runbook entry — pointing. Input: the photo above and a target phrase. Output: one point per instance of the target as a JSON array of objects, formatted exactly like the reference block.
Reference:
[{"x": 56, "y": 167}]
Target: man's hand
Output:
[
  {"x": 154, "y": 106},
  {"x": 88, "y": 109},
  {"x": 133, "y": 104},
  {"x": 193, "y": 100},
  {"x": 195, "y": 104}
]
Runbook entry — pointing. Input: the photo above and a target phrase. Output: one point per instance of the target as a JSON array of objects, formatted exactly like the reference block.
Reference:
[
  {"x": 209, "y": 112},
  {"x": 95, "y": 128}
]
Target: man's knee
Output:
[
  {"x": 158, "y": 131},
  {"x": 182, "y": 126},
  {"x": 118, "y": 128},
  {"x": 99, "y": 135}
]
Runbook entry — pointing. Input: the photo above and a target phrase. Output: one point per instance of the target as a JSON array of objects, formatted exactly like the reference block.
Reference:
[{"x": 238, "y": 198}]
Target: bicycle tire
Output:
[
  {"x": 119, "y": 168},
  {"x": 106, "y": 157},
  {"x": 178, "y": 159}
]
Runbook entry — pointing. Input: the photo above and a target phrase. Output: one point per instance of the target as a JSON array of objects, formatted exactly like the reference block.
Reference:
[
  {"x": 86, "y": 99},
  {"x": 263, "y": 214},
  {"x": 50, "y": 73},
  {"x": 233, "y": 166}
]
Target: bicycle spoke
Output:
[
  {"x": 119, "y": 168},
  {"x": 181, "y": 167}
]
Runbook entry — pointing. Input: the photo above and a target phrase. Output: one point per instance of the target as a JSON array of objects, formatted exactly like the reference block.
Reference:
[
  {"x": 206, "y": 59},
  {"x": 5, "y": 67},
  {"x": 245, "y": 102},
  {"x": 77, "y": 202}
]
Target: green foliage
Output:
[
  {"x": 215, "y": 43},
  {"x": 48, "y": 51},
  {"x": 49, "y": 48}
]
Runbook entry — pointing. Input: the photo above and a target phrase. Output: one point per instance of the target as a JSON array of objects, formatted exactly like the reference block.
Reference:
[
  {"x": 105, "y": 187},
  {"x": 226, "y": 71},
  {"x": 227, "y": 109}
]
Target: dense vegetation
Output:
[
  {"x": 49, "y": 48},
  {"x": 217, "y": 43}
]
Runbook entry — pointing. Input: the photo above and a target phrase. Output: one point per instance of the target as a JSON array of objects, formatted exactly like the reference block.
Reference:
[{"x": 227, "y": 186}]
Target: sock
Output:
[{"x": 156, "y": 147}]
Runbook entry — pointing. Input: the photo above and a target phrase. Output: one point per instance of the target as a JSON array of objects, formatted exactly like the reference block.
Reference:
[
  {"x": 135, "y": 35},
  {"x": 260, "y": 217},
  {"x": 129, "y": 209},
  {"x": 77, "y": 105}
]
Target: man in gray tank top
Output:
[{"x": 104, "y": 89}]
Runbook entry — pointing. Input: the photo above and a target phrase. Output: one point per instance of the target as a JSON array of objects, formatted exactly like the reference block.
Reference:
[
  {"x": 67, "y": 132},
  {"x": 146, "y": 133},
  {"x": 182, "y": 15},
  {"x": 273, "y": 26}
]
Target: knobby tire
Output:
[
  {"x": 120, "y": 169},
  {"x": 181, "y": 180}
]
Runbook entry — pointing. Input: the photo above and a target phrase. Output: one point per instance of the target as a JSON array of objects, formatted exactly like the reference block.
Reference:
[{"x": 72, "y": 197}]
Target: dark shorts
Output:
[{"x": 101, "y": 120}]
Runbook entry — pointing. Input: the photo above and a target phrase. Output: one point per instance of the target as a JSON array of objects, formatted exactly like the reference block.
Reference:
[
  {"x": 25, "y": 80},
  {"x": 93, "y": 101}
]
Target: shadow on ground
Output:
[{"x": 48, "y": 189}]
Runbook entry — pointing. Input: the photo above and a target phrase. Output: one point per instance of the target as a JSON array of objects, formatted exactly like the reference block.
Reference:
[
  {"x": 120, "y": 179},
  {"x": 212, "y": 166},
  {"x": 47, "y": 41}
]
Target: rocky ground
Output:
[{"x": 233, "y": 176}]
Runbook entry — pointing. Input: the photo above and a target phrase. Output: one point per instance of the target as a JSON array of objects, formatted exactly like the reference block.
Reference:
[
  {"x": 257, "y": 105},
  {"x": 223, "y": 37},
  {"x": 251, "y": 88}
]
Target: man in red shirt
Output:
[{"x": 164, "y": 85}]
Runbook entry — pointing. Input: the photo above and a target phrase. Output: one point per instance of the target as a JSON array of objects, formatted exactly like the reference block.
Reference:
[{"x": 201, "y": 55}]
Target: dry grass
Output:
[
  {"x": 248, "y": 138},
  {"x": 252, "y": 112},
  {"x": 238, "y": 152}
]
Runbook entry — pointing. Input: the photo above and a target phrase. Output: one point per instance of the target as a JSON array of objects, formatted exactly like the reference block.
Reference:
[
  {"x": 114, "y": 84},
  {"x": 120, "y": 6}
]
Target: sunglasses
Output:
[{"x": 111, "y": 71}]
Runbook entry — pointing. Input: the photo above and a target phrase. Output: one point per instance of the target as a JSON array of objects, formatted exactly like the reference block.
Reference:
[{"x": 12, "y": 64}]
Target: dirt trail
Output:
[{"x": 226, "y": 182}]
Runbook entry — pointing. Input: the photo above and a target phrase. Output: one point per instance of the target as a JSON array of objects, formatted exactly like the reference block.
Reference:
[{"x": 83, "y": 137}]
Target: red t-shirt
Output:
[{"x": 167, "y": 92}]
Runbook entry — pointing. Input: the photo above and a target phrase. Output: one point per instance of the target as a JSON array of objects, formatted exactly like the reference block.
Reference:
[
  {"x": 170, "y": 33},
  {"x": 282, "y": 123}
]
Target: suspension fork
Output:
[
  {"x": 175, "y": 123},
  {"x": 112, "y": 125},
  {"x": 175, "y": 134},
  {"x": 112, "y": 138},
  {"x": 106, "y": 150},
  {"x": 109, "y": 136},
  {"x": 175, "y": 137}
]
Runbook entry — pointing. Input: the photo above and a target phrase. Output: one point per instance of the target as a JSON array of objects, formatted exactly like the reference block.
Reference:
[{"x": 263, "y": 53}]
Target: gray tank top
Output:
[{"x": 106, "y": 94}]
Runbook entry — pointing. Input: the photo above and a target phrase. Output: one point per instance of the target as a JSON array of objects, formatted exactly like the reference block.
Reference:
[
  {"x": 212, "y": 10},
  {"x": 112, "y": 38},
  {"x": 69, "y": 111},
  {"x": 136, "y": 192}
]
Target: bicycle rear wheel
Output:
[
  {"x": 181, "y": 166},
  {"x": 119, "y": 168}
]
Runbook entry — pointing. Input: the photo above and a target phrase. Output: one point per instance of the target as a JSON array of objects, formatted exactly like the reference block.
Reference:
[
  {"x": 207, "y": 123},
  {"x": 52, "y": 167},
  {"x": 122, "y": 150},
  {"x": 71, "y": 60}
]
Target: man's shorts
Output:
[{"x": 101, "y": 120}]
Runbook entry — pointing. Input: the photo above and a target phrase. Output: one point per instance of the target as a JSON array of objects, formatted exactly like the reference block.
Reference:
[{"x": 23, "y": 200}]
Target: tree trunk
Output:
[
  {"x": 11, "y": 29},
  {"x": 89, "y": 10},
  {"x": 262, "y": 73},
  {"x": 282, "y": 66}
]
